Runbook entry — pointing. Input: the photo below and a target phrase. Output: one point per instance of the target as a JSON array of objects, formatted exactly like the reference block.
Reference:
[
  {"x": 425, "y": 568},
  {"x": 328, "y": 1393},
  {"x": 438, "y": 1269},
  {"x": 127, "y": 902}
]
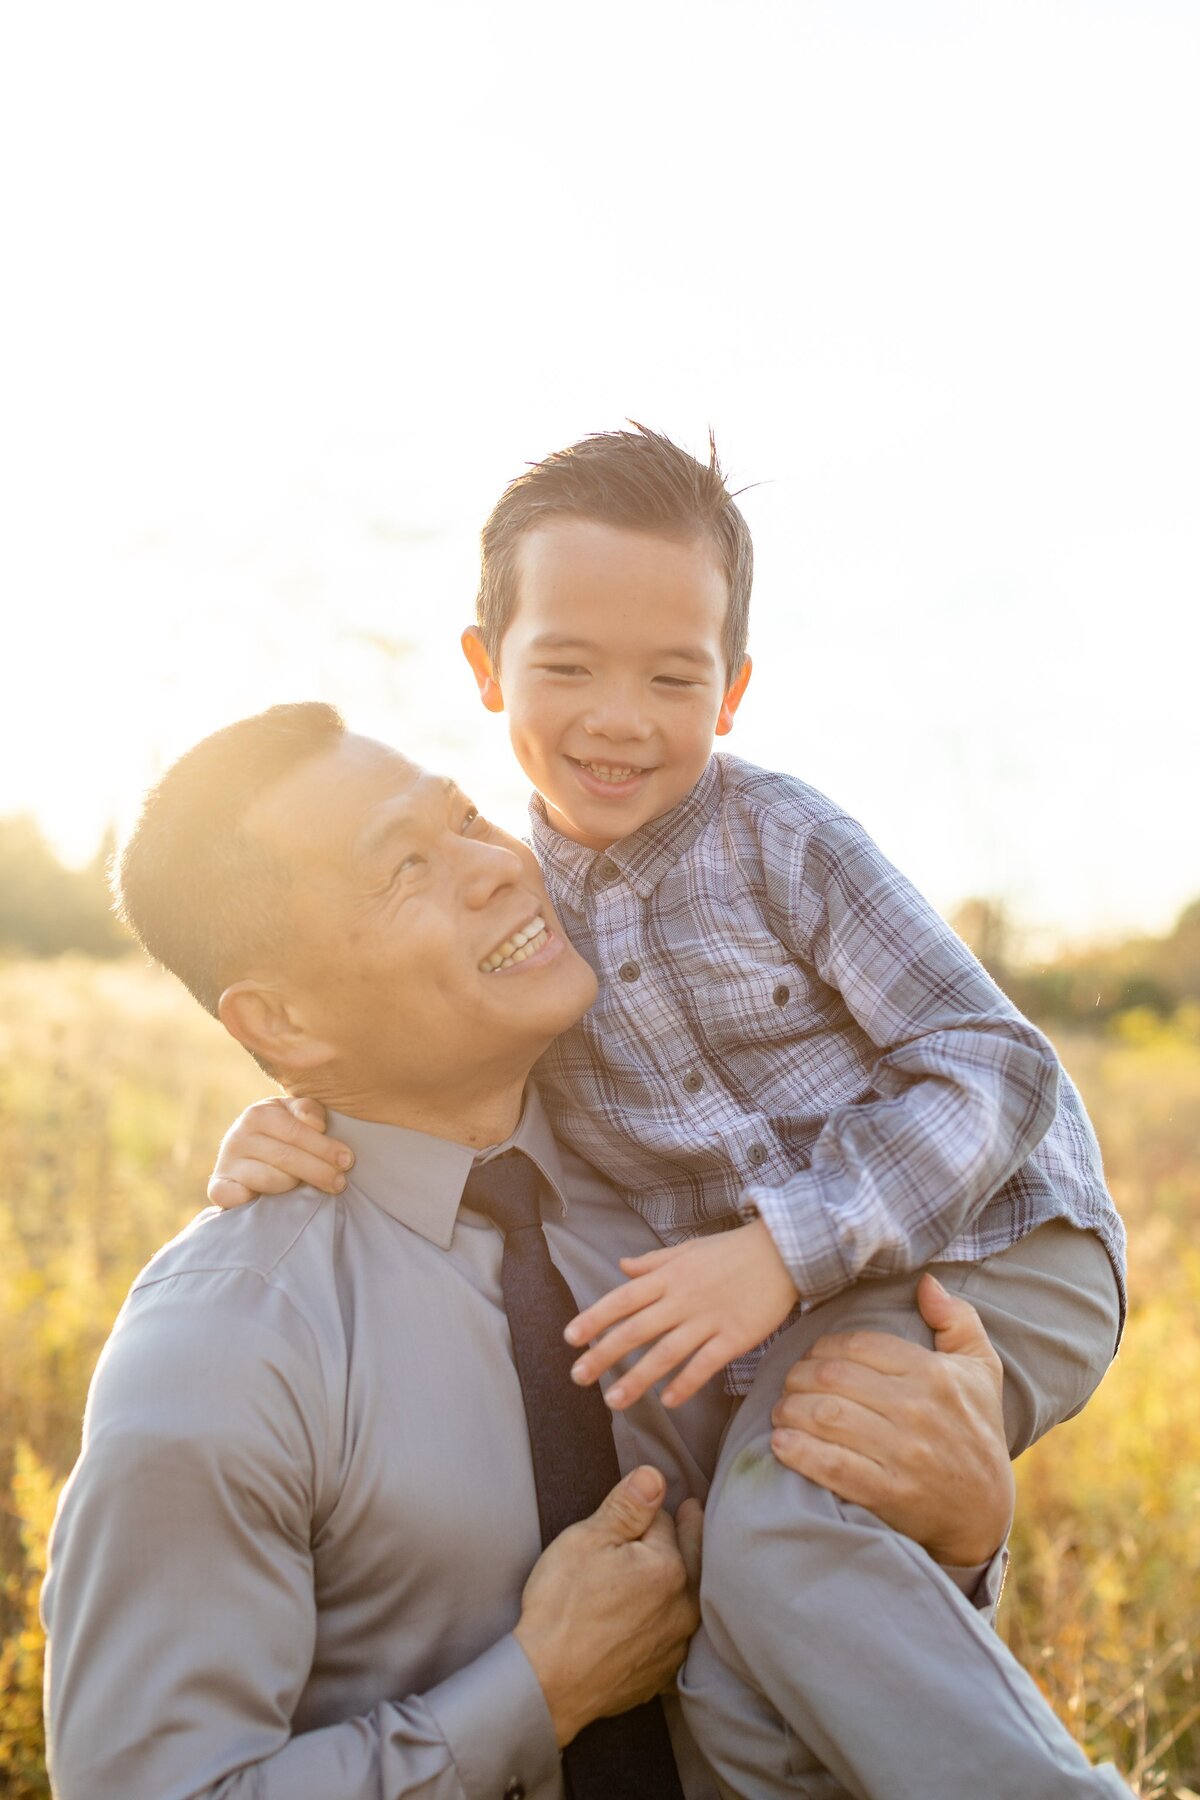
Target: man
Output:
[{"x": 299, "y": 1554}]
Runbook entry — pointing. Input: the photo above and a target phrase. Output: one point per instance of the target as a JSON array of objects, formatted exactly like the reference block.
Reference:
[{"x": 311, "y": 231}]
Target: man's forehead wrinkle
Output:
[{"x": 400, "y": 812}]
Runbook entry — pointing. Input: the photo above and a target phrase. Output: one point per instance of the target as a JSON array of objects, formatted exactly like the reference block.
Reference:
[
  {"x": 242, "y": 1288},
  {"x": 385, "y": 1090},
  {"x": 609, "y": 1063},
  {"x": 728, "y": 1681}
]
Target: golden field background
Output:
[{"x": 114, "y": 1090}]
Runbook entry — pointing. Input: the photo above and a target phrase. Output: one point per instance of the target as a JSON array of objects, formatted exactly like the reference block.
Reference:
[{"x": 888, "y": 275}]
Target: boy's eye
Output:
[
  {"x": 564, "y": 669},
  {"x": 674, "y": 681}
]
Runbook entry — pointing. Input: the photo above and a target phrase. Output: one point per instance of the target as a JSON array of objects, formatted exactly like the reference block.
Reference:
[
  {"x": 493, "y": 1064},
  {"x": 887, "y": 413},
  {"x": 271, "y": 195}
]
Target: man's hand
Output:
[
  {"x": 709, "y": 1300},
  {"x": 914, "y": 1435},
  {"x": 273, "y": 1147},
  {"x": 609, "y": 1607}
]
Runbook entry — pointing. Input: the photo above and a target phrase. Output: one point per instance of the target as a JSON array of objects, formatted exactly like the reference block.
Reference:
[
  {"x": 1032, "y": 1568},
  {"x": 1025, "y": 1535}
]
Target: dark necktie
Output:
[{"x": 628, "y": 1757}]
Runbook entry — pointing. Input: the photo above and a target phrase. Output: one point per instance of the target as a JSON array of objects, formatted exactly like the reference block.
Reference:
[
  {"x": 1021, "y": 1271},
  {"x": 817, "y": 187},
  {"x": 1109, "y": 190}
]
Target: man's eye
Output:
[
  {"x": 413, "y": 861},
  {"x": 472, "y": 816}
]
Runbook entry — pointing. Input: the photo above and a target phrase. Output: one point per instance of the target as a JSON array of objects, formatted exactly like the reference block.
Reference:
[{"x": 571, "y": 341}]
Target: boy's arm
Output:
[{"x": 965, "y": 1087}]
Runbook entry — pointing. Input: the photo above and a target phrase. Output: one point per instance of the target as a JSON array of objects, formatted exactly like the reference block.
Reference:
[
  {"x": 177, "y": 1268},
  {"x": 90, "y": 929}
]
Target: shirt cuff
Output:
[
  {"x": 803, "y": 1234},
  {"x": 494, "y": 1717},
  {"x": 981, "y": 1583}
]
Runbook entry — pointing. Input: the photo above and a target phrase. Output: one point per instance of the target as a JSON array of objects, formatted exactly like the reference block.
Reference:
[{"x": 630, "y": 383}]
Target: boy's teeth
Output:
[
  {"x": 607, "y": 772},
  {"x": 523, "y": 944}
]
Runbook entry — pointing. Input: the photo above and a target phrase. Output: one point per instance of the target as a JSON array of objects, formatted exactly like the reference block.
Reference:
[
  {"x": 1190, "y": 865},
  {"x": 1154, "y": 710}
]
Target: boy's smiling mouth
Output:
[{"x": 610, "y": 776}]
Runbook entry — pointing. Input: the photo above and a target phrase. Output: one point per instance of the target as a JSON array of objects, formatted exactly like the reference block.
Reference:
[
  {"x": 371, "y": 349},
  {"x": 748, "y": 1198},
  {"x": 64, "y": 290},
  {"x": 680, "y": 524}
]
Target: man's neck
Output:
[{"x": 476, "y": 1119}]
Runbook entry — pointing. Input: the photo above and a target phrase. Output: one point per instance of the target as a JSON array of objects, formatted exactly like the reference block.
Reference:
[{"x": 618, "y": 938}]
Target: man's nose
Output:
[{"x": 486, "y": 869}]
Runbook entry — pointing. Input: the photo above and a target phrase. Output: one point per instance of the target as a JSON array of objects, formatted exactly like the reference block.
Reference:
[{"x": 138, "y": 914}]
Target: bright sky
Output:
[{"x": 292, "y": 291}]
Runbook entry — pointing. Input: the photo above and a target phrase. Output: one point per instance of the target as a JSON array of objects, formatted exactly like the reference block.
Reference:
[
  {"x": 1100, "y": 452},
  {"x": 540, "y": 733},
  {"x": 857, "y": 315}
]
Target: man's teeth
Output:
[
  {"x": 609, "y": 772},
  {"x": 522, "y": 944}
]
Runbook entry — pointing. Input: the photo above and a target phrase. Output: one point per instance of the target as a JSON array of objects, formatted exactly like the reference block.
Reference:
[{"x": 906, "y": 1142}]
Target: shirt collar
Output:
[
  {"x": 643, "y": 857},
  {"x": 419, "y": 1179}
]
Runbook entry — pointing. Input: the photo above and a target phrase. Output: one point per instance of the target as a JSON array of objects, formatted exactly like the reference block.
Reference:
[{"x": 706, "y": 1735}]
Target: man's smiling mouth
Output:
[{"x": 518, "y": 948}]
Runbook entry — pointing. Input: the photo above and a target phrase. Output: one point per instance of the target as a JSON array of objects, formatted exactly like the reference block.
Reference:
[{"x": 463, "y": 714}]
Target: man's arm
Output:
[
  {"x": 180, "y": 1604},
  {"x": 914, "y": 1435}
]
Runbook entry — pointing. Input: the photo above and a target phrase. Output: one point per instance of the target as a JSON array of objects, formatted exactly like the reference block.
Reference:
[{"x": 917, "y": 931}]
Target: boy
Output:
[{"x": 804, "y": 1082}]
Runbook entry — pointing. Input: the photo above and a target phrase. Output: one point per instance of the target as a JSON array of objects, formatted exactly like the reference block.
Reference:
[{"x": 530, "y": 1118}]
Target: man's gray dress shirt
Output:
[{"x": 290, "y": 1557}]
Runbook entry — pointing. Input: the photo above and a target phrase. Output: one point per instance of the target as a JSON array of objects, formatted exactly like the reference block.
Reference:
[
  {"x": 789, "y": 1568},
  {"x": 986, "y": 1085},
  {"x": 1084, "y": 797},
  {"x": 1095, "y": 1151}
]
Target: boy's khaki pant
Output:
[{"x": 835, "y": 1658}]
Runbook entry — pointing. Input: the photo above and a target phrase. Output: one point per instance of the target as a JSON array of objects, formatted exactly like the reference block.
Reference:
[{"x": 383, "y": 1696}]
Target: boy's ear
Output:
[
  {"x": 263, "y": 1023},
  {"x": 487, "y": 680},
  {"x": 733, "y": 698}
]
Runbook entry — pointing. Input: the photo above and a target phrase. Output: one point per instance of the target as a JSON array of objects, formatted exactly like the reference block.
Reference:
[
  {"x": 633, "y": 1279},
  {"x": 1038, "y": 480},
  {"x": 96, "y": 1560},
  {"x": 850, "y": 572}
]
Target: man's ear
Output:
[
  {"x": 261, "y": 1020},
  {"x": 733, "y": 698},
  {"x": 486, "y": 677}
]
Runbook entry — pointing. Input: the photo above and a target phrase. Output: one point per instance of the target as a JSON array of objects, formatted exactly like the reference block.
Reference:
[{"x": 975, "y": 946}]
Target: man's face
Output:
[
  {"x": 612, "y": 672},
  {"x": 419, "y": 944}
]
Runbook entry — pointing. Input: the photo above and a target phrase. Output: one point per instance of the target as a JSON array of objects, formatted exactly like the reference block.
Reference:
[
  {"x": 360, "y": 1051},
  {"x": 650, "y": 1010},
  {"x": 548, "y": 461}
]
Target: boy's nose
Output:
[{"x": 617, "y": 716}]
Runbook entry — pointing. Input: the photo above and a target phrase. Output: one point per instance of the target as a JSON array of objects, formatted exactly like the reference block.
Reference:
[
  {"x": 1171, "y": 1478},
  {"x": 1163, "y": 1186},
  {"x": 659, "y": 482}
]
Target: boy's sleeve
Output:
[{"x": 965, "y": 1087}]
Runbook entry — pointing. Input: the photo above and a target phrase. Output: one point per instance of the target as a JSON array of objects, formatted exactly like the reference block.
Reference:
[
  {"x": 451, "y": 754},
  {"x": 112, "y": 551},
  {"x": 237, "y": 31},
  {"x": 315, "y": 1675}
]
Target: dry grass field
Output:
[{"x": 114, "y": 1090}]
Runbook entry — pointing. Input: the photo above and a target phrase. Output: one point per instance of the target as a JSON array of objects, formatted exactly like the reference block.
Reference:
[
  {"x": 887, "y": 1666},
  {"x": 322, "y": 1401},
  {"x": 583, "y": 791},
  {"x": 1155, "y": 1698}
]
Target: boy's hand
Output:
[
  {"x": 273, "y": 1147},
  {"x": 707, "y": 1301}
]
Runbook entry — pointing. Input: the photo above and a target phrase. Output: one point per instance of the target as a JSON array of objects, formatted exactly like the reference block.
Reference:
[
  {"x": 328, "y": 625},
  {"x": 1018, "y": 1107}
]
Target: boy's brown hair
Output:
[{"x": 637, "y": 480}]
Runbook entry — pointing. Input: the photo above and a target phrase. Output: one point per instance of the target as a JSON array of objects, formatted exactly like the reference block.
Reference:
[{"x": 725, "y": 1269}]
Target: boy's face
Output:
[{"x": 612, "y": 672}]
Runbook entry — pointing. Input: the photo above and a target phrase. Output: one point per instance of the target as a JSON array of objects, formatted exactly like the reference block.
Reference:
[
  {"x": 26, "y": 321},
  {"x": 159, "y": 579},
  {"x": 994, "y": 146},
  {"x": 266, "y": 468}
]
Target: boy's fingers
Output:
[
  {"x": 651, "y": 1259},
  {"x": 666, "y": 1355},
  {"x": 300, "y": 1138},
  {"x": 228, "y": 1194},
  {"x": 285, "y": 1127},
  {"x": 310, "y": 1112},
  {"x": 703, "y": 1366},
  {"x": 618, "y": 1304},
  {"x": 270, "y": 1178},
  {"x": 296, "y": 1165},
  {"x": 630, "y": 1335}
]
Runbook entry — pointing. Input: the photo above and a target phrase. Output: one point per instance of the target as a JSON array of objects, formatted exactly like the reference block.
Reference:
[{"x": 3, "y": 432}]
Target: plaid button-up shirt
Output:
[{"x": 785, "y": 1027}]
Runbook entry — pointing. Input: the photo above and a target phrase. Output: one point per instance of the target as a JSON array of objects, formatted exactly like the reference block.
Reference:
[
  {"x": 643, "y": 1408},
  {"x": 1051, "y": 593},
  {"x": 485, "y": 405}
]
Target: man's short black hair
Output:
[
  {"x": 200, "y": 893},
  {"x": 637, "y": 480}
]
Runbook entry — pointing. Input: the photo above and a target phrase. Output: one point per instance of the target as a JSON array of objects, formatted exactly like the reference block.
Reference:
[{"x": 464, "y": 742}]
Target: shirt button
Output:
[
  {"x": 693, "y": 1081},
  {"x": 782, "y": 994},
  {"x": 629, "y": 971},
  {"x": 607, "y": 871},
  {"x": 758, "y": 1155},
  {"x": 515, "y": 1790}
]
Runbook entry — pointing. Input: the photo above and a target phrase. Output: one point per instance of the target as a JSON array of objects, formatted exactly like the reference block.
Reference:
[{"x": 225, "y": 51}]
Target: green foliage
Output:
[
  {"x": 114, "y": 1091},
  {"x": 45, "y": 908},
  {"x": 1085, "y": 988}
]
